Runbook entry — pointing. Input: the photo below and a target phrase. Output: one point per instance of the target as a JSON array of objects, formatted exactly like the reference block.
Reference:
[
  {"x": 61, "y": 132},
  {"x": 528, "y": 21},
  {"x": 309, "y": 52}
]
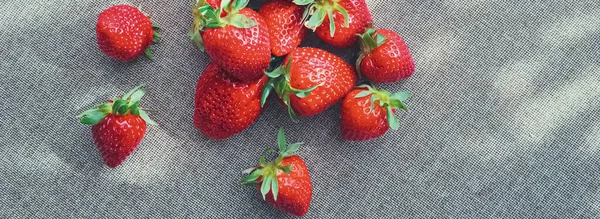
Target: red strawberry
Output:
[
  {"x": 225, "y": 106},
  {"x": 311, "y": 80},
  {"x": 124, "y": 32},
  {"x": 368, "y": 113},
  {"x": 384, "y": 57},
  {"x": 238, "y": 42},
  {"x": 118, "y": 126},
  {"x": 286, "y": 29},
  {"x": 338, "y": 21},
  {"x": 285, "y": 182}
]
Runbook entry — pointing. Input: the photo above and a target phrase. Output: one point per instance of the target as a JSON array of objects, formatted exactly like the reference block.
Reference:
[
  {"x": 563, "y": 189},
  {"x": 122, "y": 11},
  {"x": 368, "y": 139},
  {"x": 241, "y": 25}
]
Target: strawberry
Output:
[
  {"x": 337, "y": 22},
  {"x": 123, "y": 32},
  {"x": 384, "y": 56},
  {"x": 368, "y": 113},
  {"x": 310, "y": 81},
  {"x": 118, "y": 126},
  {"x": 285, "y": 182},
  {"x": 225, "y": 106},
  {"x": 238, "y": 42},
  {"x": 286, "y": 29}
]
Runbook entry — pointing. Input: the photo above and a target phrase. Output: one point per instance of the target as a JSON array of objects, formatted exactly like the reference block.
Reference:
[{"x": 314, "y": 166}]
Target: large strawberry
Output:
[
  {"x": 238, "y": 42},
  {"x": 286, "y": 29},
  {"x": 337, "y": 21},
  {"x": 285, "y": 182},
  {"x": 118, "y": 126},
  {"x": 384, "y": 57},
  {"x": 368, "y": 113},
  {"x": 123, "y": 32},
  {"x": 310, "y": 80},
  {"x": 225, "y": 106}
]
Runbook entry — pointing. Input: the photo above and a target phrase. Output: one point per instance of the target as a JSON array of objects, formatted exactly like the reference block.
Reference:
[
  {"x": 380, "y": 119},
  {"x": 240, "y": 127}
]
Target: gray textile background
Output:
[{"x": 504, "y": 121}]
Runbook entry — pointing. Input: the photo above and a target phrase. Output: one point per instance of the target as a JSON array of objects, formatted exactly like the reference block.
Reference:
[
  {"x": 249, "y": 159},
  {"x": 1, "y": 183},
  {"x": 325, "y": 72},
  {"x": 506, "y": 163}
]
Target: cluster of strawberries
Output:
[{"x": 254, "y": 53}]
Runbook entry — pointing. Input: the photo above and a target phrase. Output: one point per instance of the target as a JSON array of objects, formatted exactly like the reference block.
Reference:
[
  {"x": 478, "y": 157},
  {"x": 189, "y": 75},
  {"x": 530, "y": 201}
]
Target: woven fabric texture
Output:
[{"x": 504, "y": 121}]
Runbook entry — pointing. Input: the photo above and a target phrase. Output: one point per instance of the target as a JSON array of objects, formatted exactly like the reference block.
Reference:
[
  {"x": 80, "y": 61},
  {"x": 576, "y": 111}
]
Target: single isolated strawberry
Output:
[
  {"x": 310, "y": 81},
  {"x": 285, "y": 182},
  {"x": 124, "y": 32},
  {"x": 118, "y": 126},
  {"x": 337, "y": 22},
  {"x": 225, "y": 106},
  {"x": 384, "y": 56},
  {"x": 368, "y": 113},
  {"x": 286, "y": 28},
  {"x": 235, "y": 37}
]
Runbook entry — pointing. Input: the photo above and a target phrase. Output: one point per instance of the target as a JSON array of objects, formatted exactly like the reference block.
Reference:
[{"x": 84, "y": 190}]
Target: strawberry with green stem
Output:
[
  {"x": 123, "y": 32},
  {"x": 384, "y": 56},
  {"x": 309, "y": 81},
  {"x": 235, "y": 37},
  {"x": 118, "y": 126},
  {"x": 337, "y": 21},
  {"x": 284, "y": 183},
  {"x": 369, "y": 113}
]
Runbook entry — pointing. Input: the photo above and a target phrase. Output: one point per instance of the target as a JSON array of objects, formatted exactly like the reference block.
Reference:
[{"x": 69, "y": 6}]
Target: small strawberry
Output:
[
  {"x": 337, "y": 21},
  {"x": 225, "y": 106},
  {"x": 384, "y": 57},
  {"x": 310, "y": 81},
  {"x": 118, "y": 126},
  {"x": 368, "y": 113},
  {"x": 123, "y": 32},
  {"x": 286, "y": 29},
  {"x": 238, "y": 42},
  {"x": 285, "y": 182}
]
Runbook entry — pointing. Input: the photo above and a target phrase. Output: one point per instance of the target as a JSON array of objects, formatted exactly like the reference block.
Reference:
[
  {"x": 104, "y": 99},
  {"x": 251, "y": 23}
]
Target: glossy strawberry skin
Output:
[
  {"x": 312, "y": 66},
  {"x": 123, "y": 32},
  {"x": 244, "y": 53},
  {"x": 359, "y": 18},
  {"x": 358, "y": 122},
  {"x": 116, "y": 137},
  {"x": 223, "y": 105},
  {"x": 295, "y": 189},
  {"x": 389, "y": 62},
  {"x": 286, "y": 29}
]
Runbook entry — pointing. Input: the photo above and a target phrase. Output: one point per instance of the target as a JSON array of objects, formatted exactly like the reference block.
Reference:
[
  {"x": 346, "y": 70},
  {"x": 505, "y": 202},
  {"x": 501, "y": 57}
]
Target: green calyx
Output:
[
  {"x": 369, "y": 41},
  {"x": 386, "y": 100},
  {"x": 267, "y": 172},
  {"x": 126, "y": 105},
  {"x": 317, "y": 10},
  {"x": 155, "y": 39},
  {"x": 279, "y": 79},
  {"x": 206, "y": 16}
]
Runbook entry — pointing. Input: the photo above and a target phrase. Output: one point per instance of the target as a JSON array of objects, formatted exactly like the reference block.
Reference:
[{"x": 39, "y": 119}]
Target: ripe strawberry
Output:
[
  {"x": 237, "y": 42},
  {"x": 310, "y": 81},
  {"x": 286, "y": 29},
  {"x": 368, "y": 113},
  {"x": 123, "y": 32},
  {"x": 384, "y": 57},
  {"x": 225, "y": 106},
  {"x": 118, "y": 126},
  {"x": 285, "y": 182},
  {"x": 337, "y": 22}
]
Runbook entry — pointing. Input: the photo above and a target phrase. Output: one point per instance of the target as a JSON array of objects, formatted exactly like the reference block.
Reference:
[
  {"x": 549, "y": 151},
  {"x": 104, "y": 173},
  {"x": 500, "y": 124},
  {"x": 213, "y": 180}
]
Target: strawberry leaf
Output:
[
  {"x": 241, "y": 21},
  {"x": 363, "y": 93},
  {"x": 380, "y": 40},
  {"x": 402, "y": 96},
  {"x": 135, "y": 109},
  {"x": 291, "y": 149},
  {"x": 197, "y": 40},
  {"x": 137, "y": 95},
  {"x": 392, "y": 120},
  {"x": 148, "y": 53},
  {"x": 251, "y": 179},
  {"x": 331, "y": 23},
  {"x": 129, "y": 93},
  {"x": 238, "y": 5},
  {"x": 316, "y": 19},
  {"x": 274, "y": 187},
  {"x": 93, "y": 117},
  {"x": 287, "y": 169},
  {"x": 146, "y": 118},
  {"x": 281, "y": 141},
  {"x": 118, "y": 104},
  {"x": 266, "y": 184},
  {"x": 304, "y": 2},
  {"x": 266, "y": 91}
]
